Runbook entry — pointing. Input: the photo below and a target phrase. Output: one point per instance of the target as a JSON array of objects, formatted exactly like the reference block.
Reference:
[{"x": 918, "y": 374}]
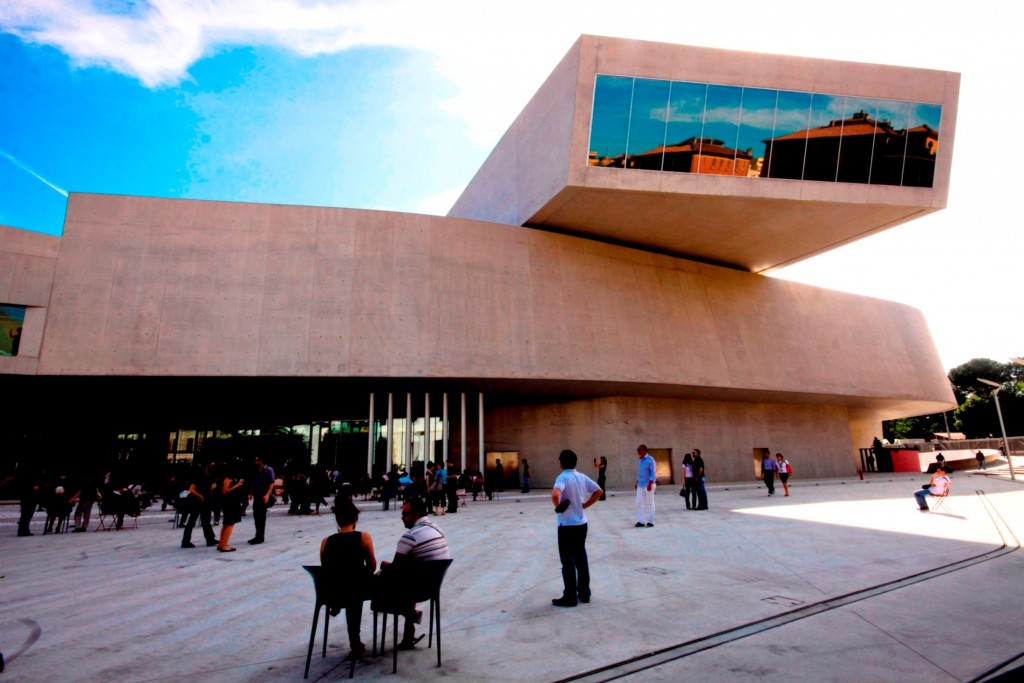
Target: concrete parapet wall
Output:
[{"x": 173, "y": 287}]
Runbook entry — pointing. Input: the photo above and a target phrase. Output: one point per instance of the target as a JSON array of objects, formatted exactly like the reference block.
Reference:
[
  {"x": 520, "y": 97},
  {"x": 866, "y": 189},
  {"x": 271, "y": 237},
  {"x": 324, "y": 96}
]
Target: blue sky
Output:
[{"x": 394, "y": 104}]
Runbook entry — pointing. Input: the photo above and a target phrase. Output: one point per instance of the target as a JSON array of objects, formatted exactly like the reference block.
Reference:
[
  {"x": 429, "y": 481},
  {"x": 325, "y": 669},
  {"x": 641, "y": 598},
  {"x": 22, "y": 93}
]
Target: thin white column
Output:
[
  {"x": 369, "y": 446},
  {"x": 428, "y": 444},
  {"x": 391, "y": 430},
  {"x": 480, "y": 419},
  {"x": 444, "y": 427},
  {"x": 407, "y": 441},
  {"x": 462, "y": 423}
]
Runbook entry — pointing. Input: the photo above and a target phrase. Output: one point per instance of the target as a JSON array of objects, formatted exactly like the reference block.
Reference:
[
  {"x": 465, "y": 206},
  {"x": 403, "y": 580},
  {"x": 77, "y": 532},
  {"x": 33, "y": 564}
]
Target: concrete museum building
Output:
[{"x": 600, "y": 283}]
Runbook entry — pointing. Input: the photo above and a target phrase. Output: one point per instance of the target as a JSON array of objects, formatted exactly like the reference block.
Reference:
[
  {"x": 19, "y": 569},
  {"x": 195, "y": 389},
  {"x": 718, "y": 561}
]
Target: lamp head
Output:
[{"x": 989, "y": 382}]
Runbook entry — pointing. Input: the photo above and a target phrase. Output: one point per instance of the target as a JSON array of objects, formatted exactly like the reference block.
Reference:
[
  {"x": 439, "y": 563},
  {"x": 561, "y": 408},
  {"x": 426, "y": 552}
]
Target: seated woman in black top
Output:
[{"x": 350, "y": 562}]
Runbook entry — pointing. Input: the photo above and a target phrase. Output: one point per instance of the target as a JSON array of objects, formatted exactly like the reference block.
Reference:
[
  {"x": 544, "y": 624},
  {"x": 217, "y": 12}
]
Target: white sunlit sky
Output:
[{"x": 394, "y": 104}]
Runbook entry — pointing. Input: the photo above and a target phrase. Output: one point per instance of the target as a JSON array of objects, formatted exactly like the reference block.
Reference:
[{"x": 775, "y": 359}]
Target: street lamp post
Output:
[{"x": 999, "y": 411}]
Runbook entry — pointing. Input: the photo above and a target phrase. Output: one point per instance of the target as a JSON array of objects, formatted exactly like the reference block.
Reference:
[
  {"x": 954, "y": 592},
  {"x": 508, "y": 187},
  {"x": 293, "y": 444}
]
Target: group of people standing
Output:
[
  {"x": 232, "y": 489},
  {"x": 693, "y": 490},
  {"x": 694, "y": 478}
]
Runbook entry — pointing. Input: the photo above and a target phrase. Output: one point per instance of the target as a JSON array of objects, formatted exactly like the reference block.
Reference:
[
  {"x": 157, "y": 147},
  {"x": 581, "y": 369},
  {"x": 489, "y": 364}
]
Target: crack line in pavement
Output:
[{"x": 672, "y": 653}]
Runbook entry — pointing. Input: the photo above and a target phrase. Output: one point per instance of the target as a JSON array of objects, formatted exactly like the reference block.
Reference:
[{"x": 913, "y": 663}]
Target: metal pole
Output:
[
  {"x": 462, "y": 423},
  {"x": 391, "y": 431},
  {"x": 1006, "y": 444},
  {"x": 369, "y": 445},
  {"x": 480, "y": 420},
  {"x": 407, "y": 441},
  {"x": 428, "y": 443},
  {"x": 444, "y": 426}
]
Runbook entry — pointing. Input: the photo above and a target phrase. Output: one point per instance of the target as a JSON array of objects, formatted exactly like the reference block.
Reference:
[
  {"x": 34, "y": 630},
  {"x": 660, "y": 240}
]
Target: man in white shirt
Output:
[
  {"x": 646, "y": 482},
  {"x": 572, "y": 493},
  {"x": 937, "y": 486}
]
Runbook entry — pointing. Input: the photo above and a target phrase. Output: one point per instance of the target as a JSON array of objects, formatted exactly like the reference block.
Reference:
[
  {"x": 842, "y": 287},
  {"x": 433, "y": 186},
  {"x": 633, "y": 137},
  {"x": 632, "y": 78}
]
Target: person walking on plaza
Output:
[
  {"x": 451, "y": 487},
  {"x": 86, "y": 500},
  {"x": 423, "y": 542},
  {"x": 573, "y": 492},
  {"x": 602, "y": 468},
  {"x": 350, "y": 563},
  {"x": 526, "y": 476},
  {"x": 980, "y": 457},
  {"x": 262, "y": 489},
  {"x": 646, "y": 476},
  {"x": 435, "y": 488},
  {"x": 768, "y": 469},
  {"x": 700, "y": 477},
  {"x": 785, "y": 469},
  {"x": 200, "y": 506},
  {"x": 28, "y": 494},
  {"x": 689, "y": 482}
]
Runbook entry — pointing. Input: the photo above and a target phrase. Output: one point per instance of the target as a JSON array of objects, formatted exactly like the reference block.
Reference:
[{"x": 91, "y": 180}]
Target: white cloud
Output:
[{"x": 439, "y": 204}]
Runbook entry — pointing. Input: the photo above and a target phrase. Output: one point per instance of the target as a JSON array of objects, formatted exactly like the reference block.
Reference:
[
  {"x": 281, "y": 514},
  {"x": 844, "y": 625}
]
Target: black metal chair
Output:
[
  {"x": 398, "y": 590},
  {"x": 319, "y": 575}
]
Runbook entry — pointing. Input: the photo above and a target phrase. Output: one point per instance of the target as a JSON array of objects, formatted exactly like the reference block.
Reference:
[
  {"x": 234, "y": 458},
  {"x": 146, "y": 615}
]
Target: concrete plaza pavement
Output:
[{"x": 842, "y": 581}]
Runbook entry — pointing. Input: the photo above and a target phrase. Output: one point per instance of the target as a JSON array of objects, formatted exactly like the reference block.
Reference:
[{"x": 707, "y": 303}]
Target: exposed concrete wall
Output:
[
  {"x": 816, "y": 439},
  {"x": 28, "y": 261},
  {"x": 175, "y": 287}
]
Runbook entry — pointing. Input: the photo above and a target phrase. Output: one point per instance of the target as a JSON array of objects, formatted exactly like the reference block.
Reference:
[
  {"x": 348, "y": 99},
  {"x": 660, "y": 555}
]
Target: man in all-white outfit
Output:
[{"x": 645, "y": 485}]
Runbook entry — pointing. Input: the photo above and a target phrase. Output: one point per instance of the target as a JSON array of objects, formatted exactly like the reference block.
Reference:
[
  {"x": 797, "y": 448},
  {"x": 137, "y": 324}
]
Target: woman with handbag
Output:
[
  {"x": 785, "y": 469},
  {"x": 689, "y": 491}
]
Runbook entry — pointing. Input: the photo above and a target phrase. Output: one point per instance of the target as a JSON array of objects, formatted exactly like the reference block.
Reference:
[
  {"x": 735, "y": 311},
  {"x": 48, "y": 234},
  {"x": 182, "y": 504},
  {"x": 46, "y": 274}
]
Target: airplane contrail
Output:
[{"x": 28, "y": 170}]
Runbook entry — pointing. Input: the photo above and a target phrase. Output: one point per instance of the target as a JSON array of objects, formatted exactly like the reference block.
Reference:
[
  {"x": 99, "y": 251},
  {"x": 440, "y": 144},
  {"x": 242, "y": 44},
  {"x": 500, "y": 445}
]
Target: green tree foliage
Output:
[
  {"x": 964, "y": 378},
  {"x": 977, "y": 416},
  {"x": 903, "y": 428}
]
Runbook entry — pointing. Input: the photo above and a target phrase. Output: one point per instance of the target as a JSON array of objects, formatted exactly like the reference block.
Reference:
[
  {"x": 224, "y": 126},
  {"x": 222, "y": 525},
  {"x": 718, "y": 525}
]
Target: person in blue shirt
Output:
[
  {"x": 573, "y": 492},
  {"x": 768, "y": 469},
  {"x": 646, "y": 482}
]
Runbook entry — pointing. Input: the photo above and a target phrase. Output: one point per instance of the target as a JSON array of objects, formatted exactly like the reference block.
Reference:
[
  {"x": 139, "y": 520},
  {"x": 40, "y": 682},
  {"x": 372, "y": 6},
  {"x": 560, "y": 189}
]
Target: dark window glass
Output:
[
  {"x": 690, "y": 127},
  {"x": 609, "y": 129},
  {"x": 647, "y": 122},
  {"x": 721, "y": 130},
  {"x": 922, "y": 145},
  {"x": 685, "y": 125},
  {"x": 757, "y": 121},
  {"x": 786, "y": 150},
  {"x": 857, "y": 144},
  {"x": 890, "y": 143},
  {"x": 822, "y": 157},
  {"x": 12, "y": 317}
]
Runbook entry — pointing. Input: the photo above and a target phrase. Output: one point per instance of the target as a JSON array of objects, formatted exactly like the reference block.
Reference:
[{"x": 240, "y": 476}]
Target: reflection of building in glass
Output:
[
  {"x": 857, "y": 149},
  {"x": 695, "y": 155},
  {"x": 872, "y": 145}
]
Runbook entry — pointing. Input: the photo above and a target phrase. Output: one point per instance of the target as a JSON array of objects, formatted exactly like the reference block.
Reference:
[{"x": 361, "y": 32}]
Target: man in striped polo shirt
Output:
[{"x": 422, "y": 542}]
